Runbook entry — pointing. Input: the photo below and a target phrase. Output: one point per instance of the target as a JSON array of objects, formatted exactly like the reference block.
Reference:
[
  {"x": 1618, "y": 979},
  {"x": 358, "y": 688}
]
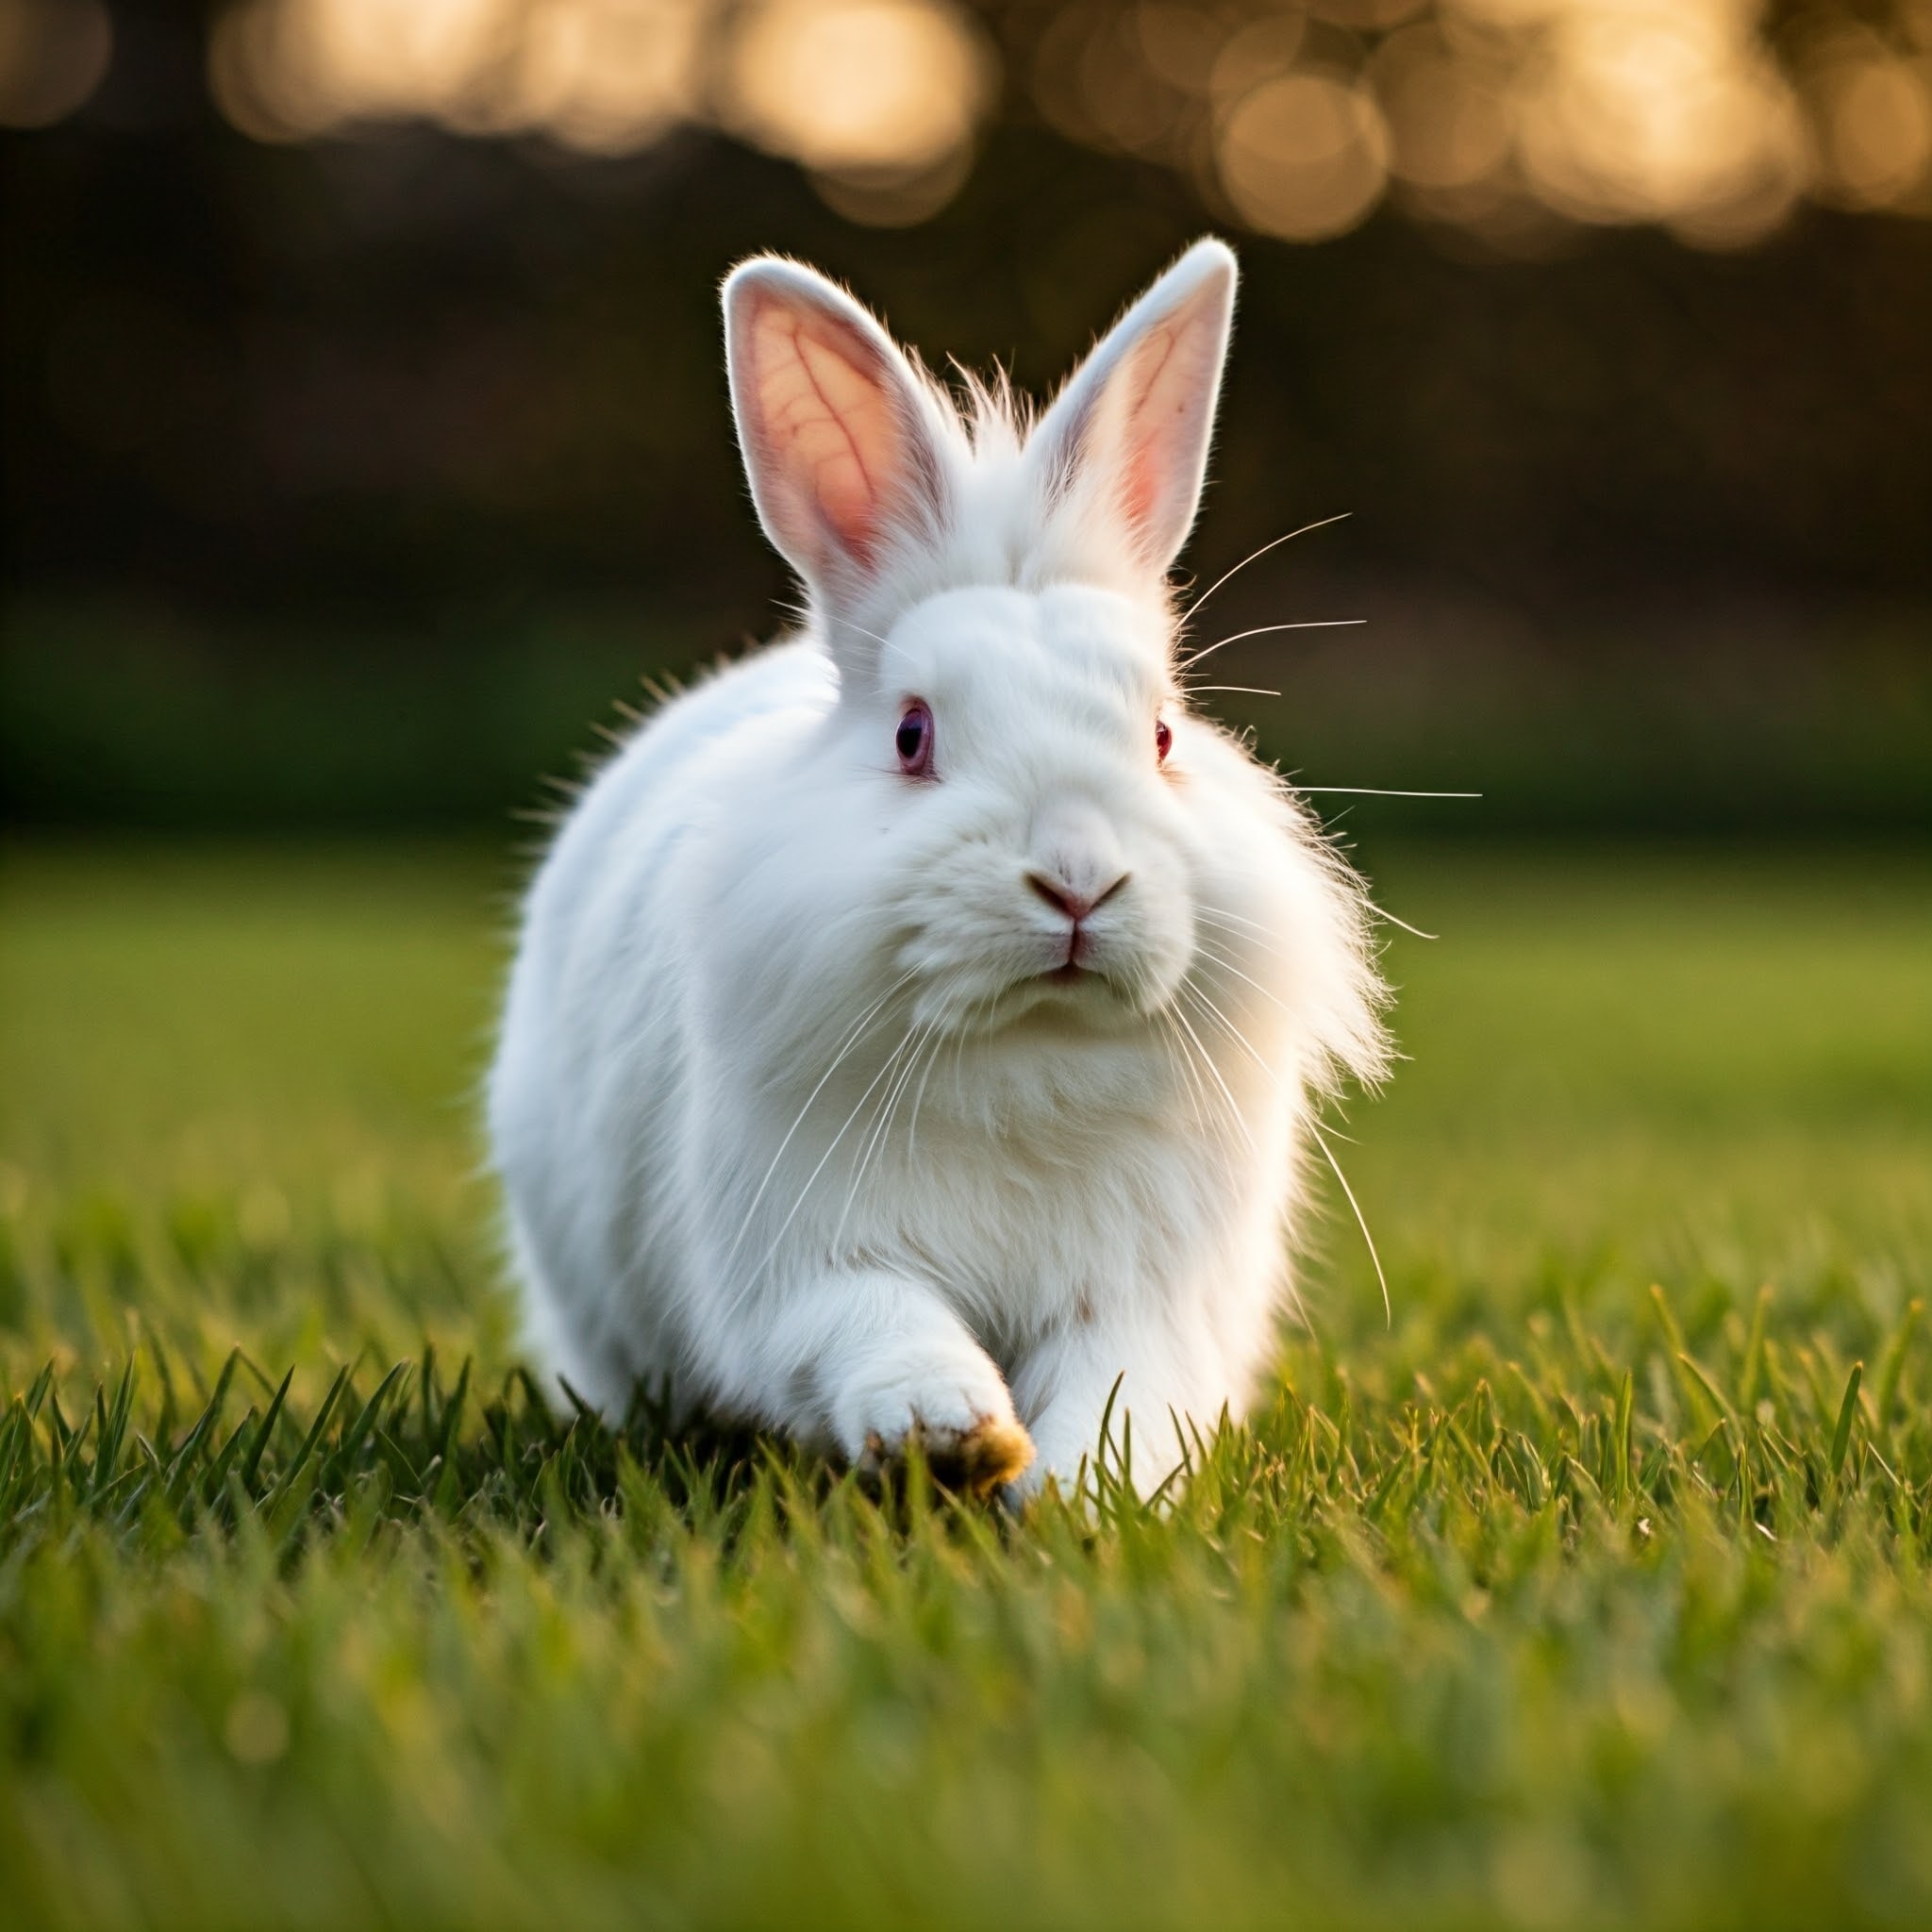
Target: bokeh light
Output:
[
  {"x": 53, "y": 56},
  {"x": 1704, "y": 116},
  {"x": 1873, "y": 126},
  {"x": 1655, "y": 110},
  {"x": 1451, "y": 124},
  {"x": 1304, "y": 154},
  {"x": 603, "y": 75},
  {"x": 1714, "y": 119},
  {"x": 857, "y": 89},
  {"x": 880, "y": 99}
]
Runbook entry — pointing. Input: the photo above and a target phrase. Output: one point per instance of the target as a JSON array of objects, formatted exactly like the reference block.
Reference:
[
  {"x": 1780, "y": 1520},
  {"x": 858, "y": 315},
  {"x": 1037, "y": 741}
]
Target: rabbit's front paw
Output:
[
  {"x": 979, "y": 1459},
  {"x": 964, "y": 1426}
]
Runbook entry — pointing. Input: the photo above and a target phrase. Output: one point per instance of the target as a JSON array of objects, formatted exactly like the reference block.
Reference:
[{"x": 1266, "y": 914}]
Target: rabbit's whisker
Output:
[
  {"x": 812, "y": 1178},
  {"x": 1262, "y": 630},
  {"x": 1179, "y": 1061},
  {"x": 966, "y": 1022},
  {"x": 851, "y": 1040},
  {"x": 932, "y": 1060},
  {"x": 1404, "y": 924},
  {"x": 1374, "y": 909},
  {"x": 889, "y": 1101},
  {"x": 899, "y": 1060},
  {"x": 1193, "y": 990},
  {"x": 873, "y": 635},
  {"x": 1226, "y": 1092},
  {"x": 1183, "y": 1058},
  {"x": 1238, "y": 918},
  {"x": 1361, "y": 1219},
  {"x": 1228, "y": 966},
  {"x": 1245, "y": 932},
  {"x": 1275, "y": 544},
  {"x": 929, "y": 1033}
]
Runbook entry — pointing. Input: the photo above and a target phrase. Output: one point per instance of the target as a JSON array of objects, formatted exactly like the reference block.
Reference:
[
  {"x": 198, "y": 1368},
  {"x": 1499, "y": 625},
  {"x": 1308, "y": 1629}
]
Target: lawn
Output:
[{"x": 1595, "y": 1588}]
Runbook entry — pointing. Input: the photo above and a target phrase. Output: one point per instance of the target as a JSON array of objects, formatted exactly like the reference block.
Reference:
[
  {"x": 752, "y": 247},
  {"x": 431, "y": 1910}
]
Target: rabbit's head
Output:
[{"x": 1046, "y": 825}]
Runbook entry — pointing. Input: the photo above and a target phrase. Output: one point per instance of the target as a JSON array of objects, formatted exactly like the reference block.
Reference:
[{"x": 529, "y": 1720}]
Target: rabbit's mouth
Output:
[
  {"x": 1073, "y": 992},
  {"x": 1052, "y": 994}
]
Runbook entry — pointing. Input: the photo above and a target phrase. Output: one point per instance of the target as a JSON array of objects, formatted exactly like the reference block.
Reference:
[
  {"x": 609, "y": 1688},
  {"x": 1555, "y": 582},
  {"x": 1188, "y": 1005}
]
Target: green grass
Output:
[{"x": 1597, "y": 1590}]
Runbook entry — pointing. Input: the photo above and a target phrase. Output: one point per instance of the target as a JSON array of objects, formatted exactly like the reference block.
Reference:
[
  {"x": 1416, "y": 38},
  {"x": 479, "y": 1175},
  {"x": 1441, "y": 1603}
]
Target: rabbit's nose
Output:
[
  {"x": 1072, "y": 861},
  {"x": 1074, "y": 901}
]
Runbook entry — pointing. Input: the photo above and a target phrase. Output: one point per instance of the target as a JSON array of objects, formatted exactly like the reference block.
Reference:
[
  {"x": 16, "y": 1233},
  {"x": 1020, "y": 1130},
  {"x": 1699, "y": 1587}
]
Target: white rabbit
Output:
[{"x": 918, "y": 1025}]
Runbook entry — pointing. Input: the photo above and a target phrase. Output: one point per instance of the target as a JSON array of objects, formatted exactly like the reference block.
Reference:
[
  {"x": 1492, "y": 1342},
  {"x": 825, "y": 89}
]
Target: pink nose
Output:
[{"x": 1063, "y": 898}]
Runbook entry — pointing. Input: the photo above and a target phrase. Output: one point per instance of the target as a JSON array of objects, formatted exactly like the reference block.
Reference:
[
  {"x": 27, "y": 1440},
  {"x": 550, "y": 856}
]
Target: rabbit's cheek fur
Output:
[{"x": 884, "y": 1107}]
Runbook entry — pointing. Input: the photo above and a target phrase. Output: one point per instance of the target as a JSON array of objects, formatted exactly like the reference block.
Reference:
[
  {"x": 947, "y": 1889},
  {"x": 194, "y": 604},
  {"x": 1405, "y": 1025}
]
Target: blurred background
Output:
[{"x": 365, "y": 436}]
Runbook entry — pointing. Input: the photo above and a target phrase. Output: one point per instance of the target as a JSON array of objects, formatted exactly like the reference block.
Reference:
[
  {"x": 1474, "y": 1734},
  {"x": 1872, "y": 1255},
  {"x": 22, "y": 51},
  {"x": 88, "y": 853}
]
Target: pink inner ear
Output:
[
  {"x": 1161, "y": 428},
  {"x": 1139, "y": 487},
  {"x": 828, "y": 425}
]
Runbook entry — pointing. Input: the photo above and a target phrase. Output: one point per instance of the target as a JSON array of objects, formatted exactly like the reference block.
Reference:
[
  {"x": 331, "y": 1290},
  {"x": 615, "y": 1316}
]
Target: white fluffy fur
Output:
[{"x": 789, "y": 1120}]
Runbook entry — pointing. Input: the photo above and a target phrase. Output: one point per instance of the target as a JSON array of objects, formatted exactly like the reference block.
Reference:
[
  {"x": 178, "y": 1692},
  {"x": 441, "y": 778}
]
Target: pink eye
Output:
[
  {"x": 914, "y": 740},
  {"x": 1163, "y": 738}
]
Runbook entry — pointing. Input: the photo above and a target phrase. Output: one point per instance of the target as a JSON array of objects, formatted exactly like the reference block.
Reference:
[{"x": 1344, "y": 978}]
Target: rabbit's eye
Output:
[
  {"x": 1163, "y": 738},
  {"x": 914, "y": 740}
]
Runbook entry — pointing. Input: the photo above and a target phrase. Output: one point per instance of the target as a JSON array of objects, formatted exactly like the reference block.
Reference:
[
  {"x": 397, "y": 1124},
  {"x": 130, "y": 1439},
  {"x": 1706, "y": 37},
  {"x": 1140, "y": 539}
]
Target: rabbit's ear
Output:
[
  {"x": 836, "y": 429},
  {"x": 1133, "y": 425}
]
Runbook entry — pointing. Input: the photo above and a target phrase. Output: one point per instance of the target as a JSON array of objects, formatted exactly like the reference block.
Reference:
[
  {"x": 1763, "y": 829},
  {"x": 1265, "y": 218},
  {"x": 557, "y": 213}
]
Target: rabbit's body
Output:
[{"x": 867, "y": 1094}]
